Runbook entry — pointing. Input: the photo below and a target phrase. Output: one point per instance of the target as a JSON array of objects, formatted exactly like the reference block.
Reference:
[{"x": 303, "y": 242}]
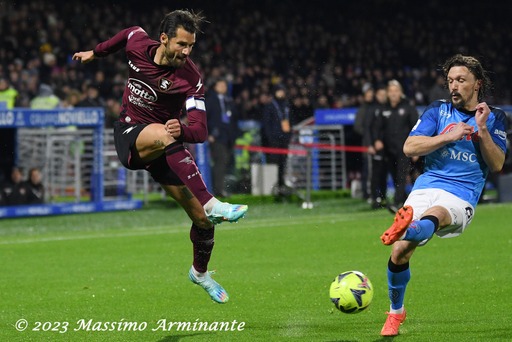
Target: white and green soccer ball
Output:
[{"x": 351, "y": 292}]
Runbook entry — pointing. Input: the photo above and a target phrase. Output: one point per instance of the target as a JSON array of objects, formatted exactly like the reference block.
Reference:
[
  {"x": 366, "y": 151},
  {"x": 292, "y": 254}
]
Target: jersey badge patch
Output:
[{"x": 165, "y": 84}]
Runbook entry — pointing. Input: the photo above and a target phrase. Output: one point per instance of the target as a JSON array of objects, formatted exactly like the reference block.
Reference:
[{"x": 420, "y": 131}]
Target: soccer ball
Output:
[{"x": 351, "y": 292}]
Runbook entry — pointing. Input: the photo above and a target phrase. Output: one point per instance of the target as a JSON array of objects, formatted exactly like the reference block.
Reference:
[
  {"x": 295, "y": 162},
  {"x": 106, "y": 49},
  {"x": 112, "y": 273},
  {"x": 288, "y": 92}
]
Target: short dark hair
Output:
[
  {"x": 186, "y": 19},
  {"x": 475, "y": 67}
]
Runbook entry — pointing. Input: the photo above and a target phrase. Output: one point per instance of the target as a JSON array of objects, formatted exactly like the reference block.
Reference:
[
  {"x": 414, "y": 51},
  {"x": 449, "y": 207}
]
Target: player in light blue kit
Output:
[{"x": 462, "y": 140}]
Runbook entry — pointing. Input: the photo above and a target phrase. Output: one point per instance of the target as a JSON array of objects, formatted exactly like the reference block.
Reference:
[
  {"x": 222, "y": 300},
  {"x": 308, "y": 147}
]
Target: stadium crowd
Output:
[{"x": 323, "y": 54}]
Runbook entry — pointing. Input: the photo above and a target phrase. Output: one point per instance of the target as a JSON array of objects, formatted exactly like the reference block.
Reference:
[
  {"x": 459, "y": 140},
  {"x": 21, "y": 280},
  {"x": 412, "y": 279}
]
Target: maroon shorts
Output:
[{"x": 125, "y": 136}]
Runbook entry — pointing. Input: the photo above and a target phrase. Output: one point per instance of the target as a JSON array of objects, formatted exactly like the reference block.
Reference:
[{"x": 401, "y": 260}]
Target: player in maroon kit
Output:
[{"x": 149, "y": 135}]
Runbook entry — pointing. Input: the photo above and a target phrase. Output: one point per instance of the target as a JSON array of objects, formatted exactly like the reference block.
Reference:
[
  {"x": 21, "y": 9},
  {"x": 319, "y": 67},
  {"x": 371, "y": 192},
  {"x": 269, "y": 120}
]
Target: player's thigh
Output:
[
  {"x": 152, "y": 141},
  {"x": 189, "y": 203},
  {"x": 425, "y": 202},
  {"x": 441, "y": 213},
  {"x": 453, "y": 213},
  {"x": 460, "y": 214}
]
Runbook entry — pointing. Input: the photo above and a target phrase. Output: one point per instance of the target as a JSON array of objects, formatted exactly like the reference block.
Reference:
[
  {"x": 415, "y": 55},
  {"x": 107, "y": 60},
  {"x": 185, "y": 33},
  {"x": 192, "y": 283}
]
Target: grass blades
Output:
[{"x": 129, "y": 269}]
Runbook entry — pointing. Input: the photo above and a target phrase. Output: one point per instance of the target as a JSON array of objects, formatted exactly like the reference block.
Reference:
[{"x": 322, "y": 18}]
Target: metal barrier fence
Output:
[
  {"x": 67, "y": 145},
  {"x": 328, "y": 165},
  {"x": 65, "y": 157}
]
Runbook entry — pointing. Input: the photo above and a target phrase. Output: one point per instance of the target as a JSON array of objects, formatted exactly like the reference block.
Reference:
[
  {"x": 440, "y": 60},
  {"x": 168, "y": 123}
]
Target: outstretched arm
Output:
[
  {"x": 84, "y": 56},
  {"x": 116, "y": 43}
]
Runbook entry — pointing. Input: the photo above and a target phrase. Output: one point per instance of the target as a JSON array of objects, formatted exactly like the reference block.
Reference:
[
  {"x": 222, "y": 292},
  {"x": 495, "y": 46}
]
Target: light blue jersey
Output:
[{"x": 457, "y": 167}]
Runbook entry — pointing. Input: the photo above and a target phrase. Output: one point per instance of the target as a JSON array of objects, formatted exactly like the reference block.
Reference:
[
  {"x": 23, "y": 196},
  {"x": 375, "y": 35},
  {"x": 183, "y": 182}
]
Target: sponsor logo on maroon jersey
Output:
[
  {"x": 133, "y": 66},
  {"x": 141, "y": 94},
  {"x": 199, "y": 85},
  {"x": 186, "y": 160}
]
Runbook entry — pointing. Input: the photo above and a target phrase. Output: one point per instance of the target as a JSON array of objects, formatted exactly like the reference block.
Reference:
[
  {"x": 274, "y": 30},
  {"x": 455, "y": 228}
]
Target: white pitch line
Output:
[{"x": 157, "y": 230}]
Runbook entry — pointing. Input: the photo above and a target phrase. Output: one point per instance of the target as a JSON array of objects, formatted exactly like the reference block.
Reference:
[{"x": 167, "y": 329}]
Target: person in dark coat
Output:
[
  {"x": 222, "y": 133},
  {"x": 392, "y": 127},
  {"x": 276, "y": 131}
]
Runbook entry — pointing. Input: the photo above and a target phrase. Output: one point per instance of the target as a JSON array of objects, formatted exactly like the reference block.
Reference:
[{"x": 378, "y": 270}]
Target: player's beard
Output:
[
  {"x": 173, "y": 59},
  {"x": 460, "y": 103},
  {"x": 177, "y": 61}
]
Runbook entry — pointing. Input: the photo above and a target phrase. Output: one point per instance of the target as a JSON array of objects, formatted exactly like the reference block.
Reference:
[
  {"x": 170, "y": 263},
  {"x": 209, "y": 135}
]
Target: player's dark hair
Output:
[
  {"x": 188, "y": 20},
  {"x": 475, "y": 67}
]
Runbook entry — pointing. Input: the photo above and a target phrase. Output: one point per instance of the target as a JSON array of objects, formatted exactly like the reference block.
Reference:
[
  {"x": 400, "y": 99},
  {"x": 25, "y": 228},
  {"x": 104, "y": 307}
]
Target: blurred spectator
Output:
[
  {"x": 363, "y": 127},
  {"x": 71, "y": 99},
  {"x": 7, "y": 93},
  {"x": 379, "y": 172},
  {"x": 48, "y": 65},
  {"x": 2, "y": 196},
  {"x": 34, "y": 187},
  {"x": 300, "y": 109},
  {"x": 392, "y": 127},
  {"x": 222, "y": 133},
  {"x": 247, "y": 106},
  {"x": 15, "y": 190},
  {"x": 276, "y": 132},
  {"x": 46, "y": 99},
  {"x": 102, "y": 84},
  {"x": 112, "y": 110},
  {"x": 322, "y": 102},
  {"x": 91, "y": 97},
  {"x": 8, "y": 97},
  {"x": 438, "y": 91}
]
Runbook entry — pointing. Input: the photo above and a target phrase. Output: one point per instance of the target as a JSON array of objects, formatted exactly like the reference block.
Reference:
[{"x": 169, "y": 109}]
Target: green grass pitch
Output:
[{"x": 70, "y": 276}]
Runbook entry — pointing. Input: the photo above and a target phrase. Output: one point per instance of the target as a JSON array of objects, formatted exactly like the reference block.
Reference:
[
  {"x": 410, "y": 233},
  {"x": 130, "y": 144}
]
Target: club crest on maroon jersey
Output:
[{"x": 165, "y": 84}]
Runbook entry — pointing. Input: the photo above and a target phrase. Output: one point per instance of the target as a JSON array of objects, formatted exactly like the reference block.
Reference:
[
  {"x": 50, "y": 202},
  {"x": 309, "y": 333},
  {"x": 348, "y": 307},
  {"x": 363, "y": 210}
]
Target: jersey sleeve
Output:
[
  {"x": 498, "y": 129},
  {"x": 196, "y": 131},
  {"x": 427, "y": 122},
  {"x": 117, "y": 42}
]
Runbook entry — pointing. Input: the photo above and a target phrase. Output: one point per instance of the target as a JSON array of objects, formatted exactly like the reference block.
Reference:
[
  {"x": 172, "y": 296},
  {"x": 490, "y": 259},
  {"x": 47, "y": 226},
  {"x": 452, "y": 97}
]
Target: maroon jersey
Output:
[{"x": 156, "y": 93}]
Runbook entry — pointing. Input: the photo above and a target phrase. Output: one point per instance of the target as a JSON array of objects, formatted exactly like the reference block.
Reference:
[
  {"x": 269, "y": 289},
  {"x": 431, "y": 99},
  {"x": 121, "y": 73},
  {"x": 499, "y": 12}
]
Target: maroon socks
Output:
[
  {"x": 182, "y": 163},
  {"x": 203, "y": 241}
]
